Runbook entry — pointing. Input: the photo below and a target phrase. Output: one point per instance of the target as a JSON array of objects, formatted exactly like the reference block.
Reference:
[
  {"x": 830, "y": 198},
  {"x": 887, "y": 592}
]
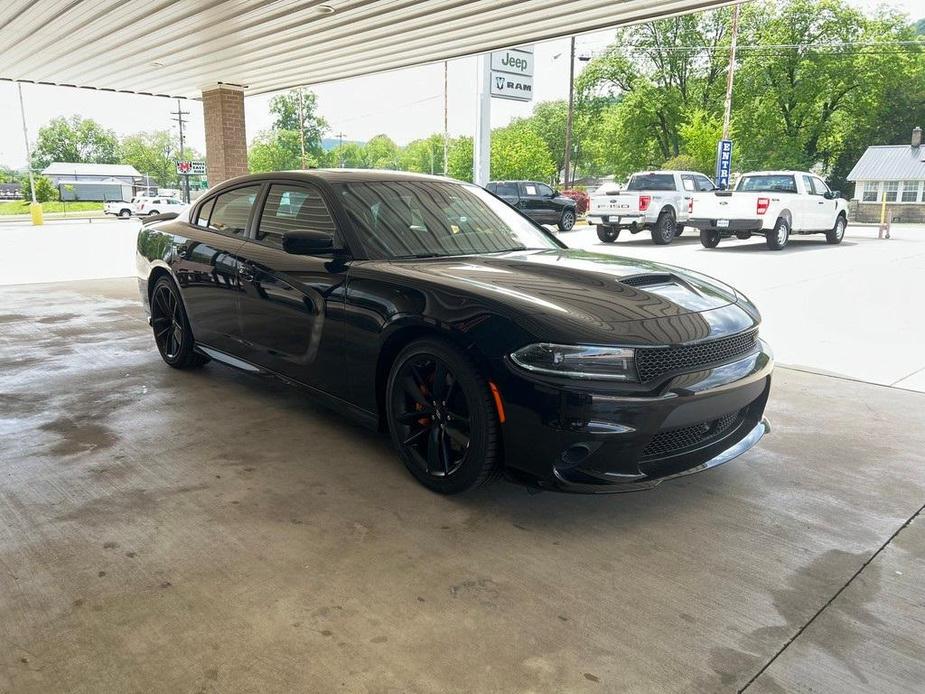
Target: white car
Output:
[
  {"x": 773, "y": 204},
  {"x": 151, "y": 206},
  {"x": 119, "y": 208},
  {"x": 657, "y": 201}
]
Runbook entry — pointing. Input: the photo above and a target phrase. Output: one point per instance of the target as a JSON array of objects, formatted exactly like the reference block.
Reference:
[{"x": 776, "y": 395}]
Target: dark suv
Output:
[{"x": 538, "y": 201}]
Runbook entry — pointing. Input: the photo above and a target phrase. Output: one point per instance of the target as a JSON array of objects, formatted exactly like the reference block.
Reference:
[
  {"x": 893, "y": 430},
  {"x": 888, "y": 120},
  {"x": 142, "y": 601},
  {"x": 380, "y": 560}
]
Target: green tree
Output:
[
  {"x": 8, "y": 175},
  {"x": 292, "y": 114},
  {"x": 277, "y": 150},
  {"x": 349, "y": 155},
  {"x": 154, "y": 154},
  {"x": 517, "y": 152},
  {"x": 74, "y": 140},
  {"x": 459, "y": 158},
  {"x": 382, "y": 153},
  {"x": 45, "y": 190},
  {"x": 423, "y": 156}
]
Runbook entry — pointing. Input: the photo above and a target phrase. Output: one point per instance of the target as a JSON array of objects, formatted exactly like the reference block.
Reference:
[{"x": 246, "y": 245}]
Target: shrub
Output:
[{"x": 580, "y": 197}]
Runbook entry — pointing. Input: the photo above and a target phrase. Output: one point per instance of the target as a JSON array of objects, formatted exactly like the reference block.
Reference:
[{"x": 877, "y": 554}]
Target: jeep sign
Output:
[{"x": 514, "y": 61}]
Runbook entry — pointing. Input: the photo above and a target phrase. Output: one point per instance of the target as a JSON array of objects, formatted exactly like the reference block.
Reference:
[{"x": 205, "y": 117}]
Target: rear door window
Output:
[
  {"x": 507, "y": 190},
  {"x": 232, "y": 210}
]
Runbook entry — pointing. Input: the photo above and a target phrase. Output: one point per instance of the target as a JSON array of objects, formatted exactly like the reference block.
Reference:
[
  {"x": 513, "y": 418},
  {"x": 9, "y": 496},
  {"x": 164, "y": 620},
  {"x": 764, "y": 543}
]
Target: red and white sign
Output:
[{"x": 194, "y": 168}]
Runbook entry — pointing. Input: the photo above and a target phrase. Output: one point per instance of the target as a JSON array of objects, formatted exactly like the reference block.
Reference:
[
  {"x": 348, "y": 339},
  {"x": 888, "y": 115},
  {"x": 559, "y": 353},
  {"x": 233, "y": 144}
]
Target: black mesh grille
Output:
[
  {"x": 652, "y": 362},
  {"x": 643, "y": 280},
  {"x": 666, "y": 443}
]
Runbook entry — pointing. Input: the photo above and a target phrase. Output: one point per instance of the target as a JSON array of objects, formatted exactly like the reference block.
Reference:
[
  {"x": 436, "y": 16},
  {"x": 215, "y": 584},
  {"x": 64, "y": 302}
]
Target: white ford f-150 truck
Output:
[
  {"x": 659, "y": 201},
  {"x": 773, "y": 204}
]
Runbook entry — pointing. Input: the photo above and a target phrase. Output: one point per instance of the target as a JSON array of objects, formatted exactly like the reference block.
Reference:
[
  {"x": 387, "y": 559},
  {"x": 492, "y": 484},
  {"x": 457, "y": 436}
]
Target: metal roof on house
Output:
[
  {"x": 59, "y": 168},
  {"x": 177, "y": 47},
  {"x": 890, "y": 163}
]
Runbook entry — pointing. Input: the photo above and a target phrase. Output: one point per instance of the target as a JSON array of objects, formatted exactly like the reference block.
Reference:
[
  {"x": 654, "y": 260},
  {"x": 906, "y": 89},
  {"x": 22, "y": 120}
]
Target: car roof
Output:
[
  {"x": 779, "y": 173},
  {"x": 343, "y": 176}
]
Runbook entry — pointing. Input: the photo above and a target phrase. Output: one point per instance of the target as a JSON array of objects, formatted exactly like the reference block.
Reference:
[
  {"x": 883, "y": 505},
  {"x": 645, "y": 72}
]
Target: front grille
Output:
[
  {"x": 652, "y": 362},
  {"x": 646, "y": 280},
  {"x": 666, "y": 443}
]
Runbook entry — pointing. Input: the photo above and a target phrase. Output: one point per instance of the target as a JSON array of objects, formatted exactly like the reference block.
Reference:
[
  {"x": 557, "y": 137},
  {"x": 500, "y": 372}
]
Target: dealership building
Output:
[{"x": 890, "y": 174}]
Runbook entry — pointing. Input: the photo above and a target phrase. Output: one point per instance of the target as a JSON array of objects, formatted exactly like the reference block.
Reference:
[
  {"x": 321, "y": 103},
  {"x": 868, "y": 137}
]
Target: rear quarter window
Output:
[{"x": 770, "y": 183}]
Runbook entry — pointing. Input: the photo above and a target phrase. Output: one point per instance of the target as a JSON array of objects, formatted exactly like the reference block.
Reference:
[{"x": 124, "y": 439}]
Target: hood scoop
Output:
[{"x": 650, "y": 279}]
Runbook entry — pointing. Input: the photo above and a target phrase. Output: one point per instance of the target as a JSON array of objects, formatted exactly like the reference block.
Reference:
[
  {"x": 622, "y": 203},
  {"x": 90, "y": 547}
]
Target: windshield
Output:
[
  {"x": 770, "y": 183},
  {"x": 651, "y": 182},
  {"x": 419, "y": 219}
]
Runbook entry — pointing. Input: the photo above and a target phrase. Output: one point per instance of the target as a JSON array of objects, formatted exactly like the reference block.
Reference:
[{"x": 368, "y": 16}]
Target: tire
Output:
[
  {"x": 152, "y": 213},
  {"x": 172, "y": 333},
  {"x": 567, "y": 220},
  {"x": 444, "y": 457},
  {"x": 709, "y": 238},
  {"x": 743, "y": 235},
  {"x": 125, "y": 214},
  {"x": 778, "y": 237},
  {"x": 607, "y": 234},
  {"x": 837, "y": 232},
  {"x": 663, "y": 231}
]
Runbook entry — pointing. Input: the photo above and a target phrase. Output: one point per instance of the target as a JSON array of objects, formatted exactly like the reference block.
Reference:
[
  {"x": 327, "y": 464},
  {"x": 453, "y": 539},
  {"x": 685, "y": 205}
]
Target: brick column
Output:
[{"x": 226, "y": 146}]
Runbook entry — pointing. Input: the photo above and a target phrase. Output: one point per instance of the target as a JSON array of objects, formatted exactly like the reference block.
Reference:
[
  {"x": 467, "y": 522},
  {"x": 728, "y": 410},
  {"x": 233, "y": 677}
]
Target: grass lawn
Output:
[{"x": 22, "y": 207}]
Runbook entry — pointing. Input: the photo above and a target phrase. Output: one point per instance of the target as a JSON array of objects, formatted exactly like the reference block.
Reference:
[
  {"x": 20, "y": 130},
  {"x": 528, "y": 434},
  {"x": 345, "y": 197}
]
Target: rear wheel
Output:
[
  {"x": 125, "y": 214},
  {"x": 567, "y": 221},
  {"x": 709, "y": 238},
  {"x": 836, "y": 233},
  {"x": 607, "y": 234},
  {"x": 171, "y": 327},
  {"x": 152, "y": 213},
  {"x": 442, "y": 417},
  {"x": 778, "y": 237},
  {"x": 664, "y": 230}
]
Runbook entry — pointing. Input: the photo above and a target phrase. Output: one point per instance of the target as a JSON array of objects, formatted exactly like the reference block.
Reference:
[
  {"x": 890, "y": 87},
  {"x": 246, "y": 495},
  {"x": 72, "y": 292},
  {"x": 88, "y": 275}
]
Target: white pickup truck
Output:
[
  {"x": 773, "y": 204},
  {"x": 659, "y": 201}
]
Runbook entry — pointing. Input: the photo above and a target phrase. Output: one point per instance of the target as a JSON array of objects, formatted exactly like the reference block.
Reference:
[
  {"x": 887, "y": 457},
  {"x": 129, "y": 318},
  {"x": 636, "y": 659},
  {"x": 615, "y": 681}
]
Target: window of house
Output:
[
  {"x": 910, "y": 191},
  {"x": 890, "y": 190},
  {"x": 871, "y": 191}
]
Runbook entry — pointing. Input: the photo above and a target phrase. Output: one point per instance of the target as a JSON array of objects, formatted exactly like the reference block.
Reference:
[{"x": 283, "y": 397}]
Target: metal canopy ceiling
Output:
[{"x": 177, "y": 47}]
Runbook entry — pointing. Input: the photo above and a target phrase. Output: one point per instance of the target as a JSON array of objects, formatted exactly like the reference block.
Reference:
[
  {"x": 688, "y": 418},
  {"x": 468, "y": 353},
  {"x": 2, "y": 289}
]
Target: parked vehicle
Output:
[
  {"x": 119, "y": 208},
  {"x": 153, "y": 206},
  {"x": 773, "y": 204},
  {"x": 538, "y": 201},
  {"x": 657, "y": 201},
  {"x": 432, "y": 310}
]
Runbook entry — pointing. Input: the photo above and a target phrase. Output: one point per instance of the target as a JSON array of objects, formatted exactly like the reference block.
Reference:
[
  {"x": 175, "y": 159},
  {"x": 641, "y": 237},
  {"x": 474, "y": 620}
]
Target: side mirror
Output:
[
  {"x": 834, "y": 194},
  {"x": 307, "y": 242}
]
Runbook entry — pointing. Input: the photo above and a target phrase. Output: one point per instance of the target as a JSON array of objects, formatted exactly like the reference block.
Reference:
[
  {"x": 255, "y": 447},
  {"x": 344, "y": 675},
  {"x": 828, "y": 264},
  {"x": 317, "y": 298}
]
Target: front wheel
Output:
[
  {"x": 171, "y": 327},
  {"x": 152, "y": 213},
  {"x": 778, "y": 237},
  {"x": 664, "y": 230},
  {"x": 607, "y": 234},
  {"x": 125, "y": 214},
  {"x": 836, "y": 233},
  {"x": 709, "y": 238},
  {"x": 442, "y": 417},
  {"x": 567, "y": 221}
]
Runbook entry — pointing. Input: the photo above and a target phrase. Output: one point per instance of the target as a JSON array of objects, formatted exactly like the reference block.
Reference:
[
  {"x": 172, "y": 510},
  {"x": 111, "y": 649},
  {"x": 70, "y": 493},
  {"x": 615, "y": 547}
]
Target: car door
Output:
[
  {"x": 810, "y": 203},
  {"x": 509, "y": 192},
  {"x": 291, "y": 306},
  {"x": 532, "y": 203},
  {"x": 207, "y": 265},
  {"x": 826, "y": 208}
]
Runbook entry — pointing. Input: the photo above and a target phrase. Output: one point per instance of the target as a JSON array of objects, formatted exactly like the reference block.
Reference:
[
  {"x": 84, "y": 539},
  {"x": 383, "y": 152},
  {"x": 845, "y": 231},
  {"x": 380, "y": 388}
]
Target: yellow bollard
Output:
[{"x": 35, "y": 209}]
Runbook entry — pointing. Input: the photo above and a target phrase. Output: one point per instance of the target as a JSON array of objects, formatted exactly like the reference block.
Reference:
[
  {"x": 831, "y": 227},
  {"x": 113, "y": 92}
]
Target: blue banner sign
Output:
[{"x": 723, "y": 163}]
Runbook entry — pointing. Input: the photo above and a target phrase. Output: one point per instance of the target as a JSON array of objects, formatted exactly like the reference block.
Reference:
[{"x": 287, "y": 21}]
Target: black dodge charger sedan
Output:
[{"x": 431, "y": 309}]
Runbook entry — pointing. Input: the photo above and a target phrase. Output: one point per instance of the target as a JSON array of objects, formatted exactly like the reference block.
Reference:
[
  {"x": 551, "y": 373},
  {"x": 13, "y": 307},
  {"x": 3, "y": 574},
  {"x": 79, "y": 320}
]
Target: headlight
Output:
[{"x": 578, "y": 361}]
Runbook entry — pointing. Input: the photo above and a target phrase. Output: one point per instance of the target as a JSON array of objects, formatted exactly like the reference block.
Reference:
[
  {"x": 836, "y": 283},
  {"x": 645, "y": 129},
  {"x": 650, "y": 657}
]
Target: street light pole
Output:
[
  {"x": 571, "y": 107},
  {"x": 446, "y": 120}
]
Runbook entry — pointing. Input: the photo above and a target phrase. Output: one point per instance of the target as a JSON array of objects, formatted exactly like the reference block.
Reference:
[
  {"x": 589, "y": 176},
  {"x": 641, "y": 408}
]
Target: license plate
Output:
[{"x": 722, "y": 223}]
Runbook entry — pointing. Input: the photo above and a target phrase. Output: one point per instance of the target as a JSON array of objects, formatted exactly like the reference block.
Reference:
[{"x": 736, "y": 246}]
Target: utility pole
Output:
[
  {"x": 340, "y": 147},
  {"x": 179, "y": 113},
  {"x": 25, "y": 134},
  {"x": 301, "y": 130},
  {"x": 571, "y": 108},
  {"x": 446, "y": 119},
  {"x": 730, "y": 75}
]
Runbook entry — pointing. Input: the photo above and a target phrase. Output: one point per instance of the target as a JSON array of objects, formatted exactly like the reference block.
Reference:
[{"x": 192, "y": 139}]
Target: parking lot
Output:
[{"x": 214, "y": 531}]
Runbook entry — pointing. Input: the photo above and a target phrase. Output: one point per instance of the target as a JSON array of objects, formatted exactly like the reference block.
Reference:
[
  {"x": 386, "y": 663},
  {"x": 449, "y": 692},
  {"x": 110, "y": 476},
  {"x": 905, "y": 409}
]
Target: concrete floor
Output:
[{"x": 217, "y": 532}]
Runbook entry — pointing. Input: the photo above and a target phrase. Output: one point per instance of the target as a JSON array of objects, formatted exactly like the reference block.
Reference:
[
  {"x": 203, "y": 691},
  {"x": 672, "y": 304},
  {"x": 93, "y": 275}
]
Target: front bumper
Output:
[{"x": 597, "y": 438}]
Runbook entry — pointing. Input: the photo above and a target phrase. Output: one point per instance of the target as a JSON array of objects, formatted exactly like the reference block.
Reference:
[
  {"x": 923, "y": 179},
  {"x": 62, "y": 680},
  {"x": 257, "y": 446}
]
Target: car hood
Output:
[{"x": 585, "y": 290}]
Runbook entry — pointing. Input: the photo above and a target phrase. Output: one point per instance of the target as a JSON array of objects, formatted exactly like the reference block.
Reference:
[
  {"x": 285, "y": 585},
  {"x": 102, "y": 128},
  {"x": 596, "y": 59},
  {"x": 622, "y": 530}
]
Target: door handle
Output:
[{"x": 821, "y": 202}]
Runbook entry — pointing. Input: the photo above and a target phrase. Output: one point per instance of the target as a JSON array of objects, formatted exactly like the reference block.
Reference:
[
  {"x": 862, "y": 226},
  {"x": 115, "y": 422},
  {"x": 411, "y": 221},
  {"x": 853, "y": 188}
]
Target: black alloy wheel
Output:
[
  {"x": 568, "y": 220},
  {"x": 663, "y": 231},
  {"x": 442, "y": 418},
  {"x": 172, "y": 333},
  {"x": 607, "y": 234},
  {"x": 709, "y": 238}
]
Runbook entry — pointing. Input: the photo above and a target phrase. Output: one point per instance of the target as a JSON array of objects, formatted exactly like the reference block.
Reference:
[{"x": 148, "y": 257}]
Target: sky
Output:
[{"x": 359, "y": 107}]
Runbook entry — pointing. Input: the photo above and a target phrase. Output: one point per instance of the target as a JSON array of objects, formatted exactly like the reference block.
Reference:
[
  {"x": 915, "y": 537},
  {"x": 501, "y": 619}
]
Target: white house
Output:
[
  {"x": 891, "y": 174},
  {"x": 94, "y": 181}
]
